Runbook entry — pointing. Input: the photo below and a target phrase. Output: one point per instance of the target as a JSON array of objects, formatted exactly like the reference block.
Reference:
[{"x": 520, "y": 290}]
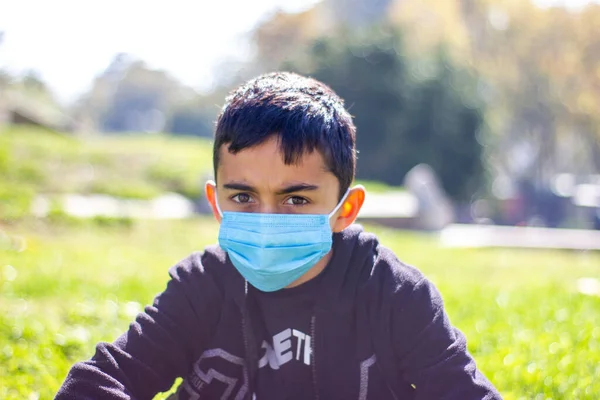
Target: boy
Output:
[{"x": 295, "y": 302}]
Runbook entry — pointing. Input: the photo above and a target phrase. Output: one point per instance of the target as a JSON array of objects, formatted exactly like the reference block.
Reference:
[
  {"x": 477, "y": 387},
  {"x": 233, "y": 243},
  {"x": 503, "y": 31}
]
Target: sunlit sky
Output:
[{"x": 69, "y": 42}]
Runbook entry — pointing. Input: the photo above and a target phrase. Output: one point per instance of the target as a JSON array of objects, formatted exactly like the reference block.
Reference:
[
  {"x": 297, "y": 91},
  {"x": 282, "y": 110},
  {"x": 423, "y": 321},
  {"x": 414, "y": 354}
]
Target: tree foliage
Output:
[
  {"x": 131, "y": 96},
  {"x": 541, "y": 68}
]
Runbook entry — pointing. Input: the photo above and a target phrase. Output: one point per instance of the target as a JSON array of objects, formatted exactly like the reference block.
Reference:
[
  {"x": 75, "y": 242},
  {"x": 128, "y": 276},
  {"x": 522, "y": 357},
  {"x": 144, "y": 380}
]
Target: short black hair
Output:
[{"x": 304, "y": 113}]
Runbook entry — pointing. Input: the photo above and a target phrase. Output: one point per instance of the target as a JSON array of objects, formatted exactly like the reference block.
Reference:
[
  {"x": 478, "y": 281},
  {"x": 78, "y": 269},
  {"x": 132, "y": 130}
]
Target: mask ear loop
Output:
[{"x": 214, "y": 184}]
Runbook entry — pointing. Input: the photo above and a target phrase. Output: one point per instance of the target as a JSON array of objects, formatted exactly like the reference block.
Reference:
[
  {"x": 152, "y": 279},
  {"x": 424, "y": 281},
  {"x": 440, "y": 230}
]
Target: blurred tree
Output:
[
  {"x": 539, "y": 63},
  {"x": 33, "y": 81},
  {"x": 196, "y": 114},
  {"x": 90, "y": 108},
  {"x": 190, "y": 120},
  {"x": 282, "y": 36},
  {"x": 357, "y": 13},
  {"x": 130, "y": 96},
  {"x": 428, "y": 23},
  {"x": 403, "y": 118},
  {"x": 140, "y": 100},
  {"x": 5, "y": 79},
  {"x": 540, "y": 69}
]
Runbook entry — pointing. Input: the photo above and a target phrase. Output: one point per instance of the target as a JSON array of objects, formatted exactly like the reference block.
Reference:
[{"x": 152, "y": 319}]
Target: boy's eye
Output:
[
  {"x": 242, "y": 198},
  {"x": 296, "y": 201}
]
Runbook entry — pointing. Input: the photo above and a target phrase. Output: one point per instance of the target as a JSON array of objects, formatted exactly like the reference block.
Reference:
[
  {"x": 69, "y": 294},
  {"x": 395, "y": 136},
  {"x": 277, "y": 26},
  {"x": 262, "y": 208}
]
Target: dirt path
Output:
[{"x": 511, "y": 236}]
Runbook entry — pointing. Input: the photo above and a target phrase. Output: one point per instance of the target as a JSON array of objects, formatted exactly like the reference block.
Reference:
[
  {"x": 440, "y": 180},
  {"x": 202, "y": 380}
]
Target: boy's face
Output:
[{"x": 256, "y": 179}]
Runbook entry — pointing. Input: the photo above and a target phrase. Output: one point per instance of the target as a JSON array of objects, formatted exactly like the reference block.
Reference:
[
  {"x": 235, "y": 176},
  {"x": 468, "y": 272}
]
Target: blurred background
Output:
[
  {"x": 498, "y": 98},
  {"x": 478, "y": 128}
]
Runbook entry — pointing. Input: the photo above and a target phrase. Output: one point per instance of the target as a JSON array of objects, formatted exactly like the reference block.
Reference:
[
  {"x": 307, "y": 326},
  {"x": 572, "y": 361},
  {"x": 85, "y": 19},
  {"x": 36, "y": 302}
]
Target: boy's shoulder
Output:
[
  {"x": 212, "y": 265},
  {"x": 200, "y": 262},
  {"x": 391, "y": 288},
  {"x": 380, "y": 264}
]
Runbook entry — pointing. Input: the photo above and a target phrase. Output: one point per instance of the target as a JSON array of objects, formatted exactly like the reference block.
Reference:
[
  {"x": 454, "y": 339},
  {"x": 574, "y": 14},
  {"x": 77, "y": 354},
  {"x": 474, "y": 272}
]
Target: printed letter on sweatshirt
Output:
[{"x": 282, "y": 345}]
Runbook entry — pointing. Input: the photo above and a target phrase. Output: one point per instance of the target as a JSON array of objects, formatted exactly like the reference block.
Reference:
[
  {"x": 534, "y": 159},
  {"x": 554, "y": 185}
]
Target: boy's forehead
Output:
[{"x": 264, "y": 163}]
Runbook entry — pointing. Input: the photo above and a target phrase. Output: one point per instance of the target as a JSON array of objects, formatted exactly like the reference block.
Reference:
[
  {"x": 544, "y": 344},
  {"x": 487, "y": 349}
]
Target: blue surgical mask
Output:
[{"x": 273, "y": 250}]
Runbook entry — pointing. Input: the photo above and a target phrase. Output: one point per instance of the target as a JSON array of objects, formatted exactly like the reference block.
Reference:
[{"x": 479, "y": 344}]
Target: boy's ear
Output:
[
  {"x": 349, "y": 209},
  {"x": 211, "y": 195}
]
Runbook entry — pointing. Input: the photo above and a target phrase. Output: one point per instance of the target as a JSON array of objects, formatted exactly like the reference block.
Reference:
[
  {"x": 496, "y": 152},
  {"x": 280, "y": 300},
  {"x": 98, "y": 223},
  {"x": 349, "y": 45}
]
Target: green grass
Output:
[
  {"x": 67, "y": 286},
  {"x": 132, "y": 166}
]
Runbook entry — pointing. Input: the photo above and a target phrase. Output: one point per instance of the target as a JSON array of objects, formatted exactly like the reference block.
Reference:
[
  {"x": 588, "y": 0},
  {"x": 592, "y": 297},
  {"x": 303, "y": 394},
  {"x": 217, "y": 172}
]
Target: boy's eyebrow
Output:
[
  {"x": 239, "y": 186},
  {"x": 300, "y": 187}
]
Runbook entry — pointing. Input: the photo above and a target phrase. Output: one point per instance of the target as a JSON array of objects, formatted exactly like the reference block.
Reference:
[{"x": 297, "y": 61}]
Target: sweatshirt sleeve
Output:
[
  {"x": 432, "y": 353},
  {"x": 159, "y": 346}
]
